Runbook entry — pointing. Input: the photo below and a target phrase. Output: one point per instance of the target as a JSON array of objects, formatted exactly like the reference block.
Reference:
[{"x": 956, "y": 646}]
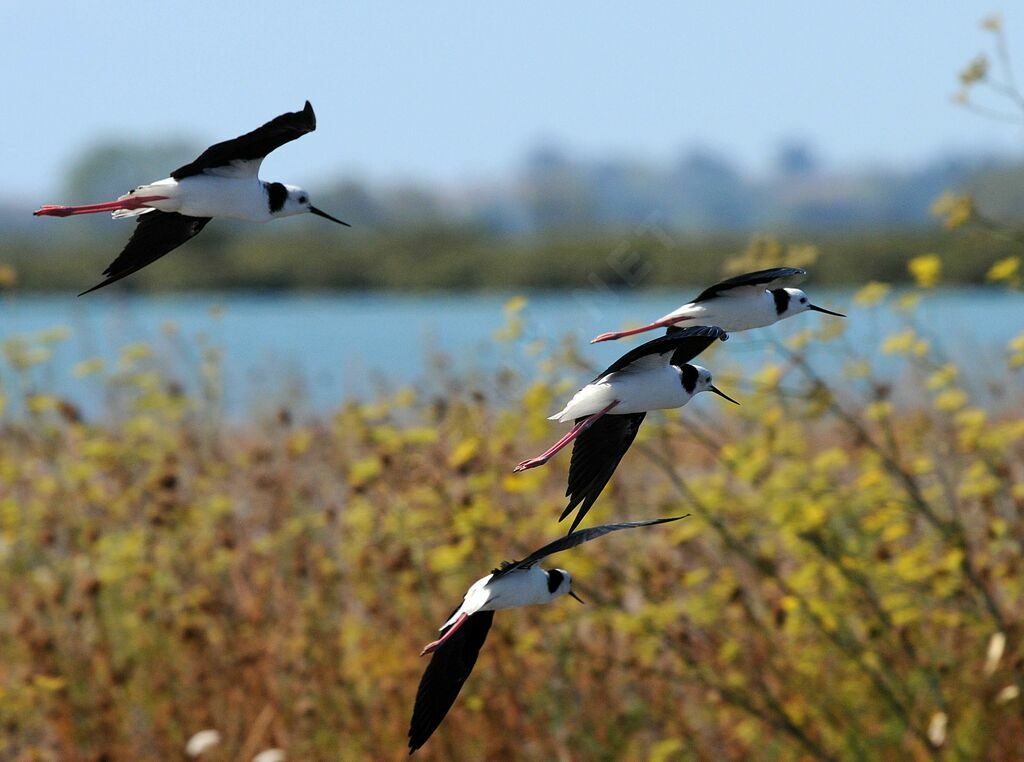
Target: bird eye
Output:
[
  {"x": 303, "y": 199},
  {"x": 803, "y": 300}
]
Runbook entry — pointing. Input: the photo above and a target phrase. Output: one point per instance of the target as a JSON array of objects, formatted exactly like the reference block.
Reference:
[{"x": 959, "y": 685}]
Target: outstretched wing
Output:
[
  {"x": 243, "y": 155},
  {"x": 156, "y": 233},
  {"x": 776, "y": 277},
  {"x": 449, "y": 668},
  {"x": 577, "y": 538},
  {"x": 595, "y": 456},
  {"x": 683, "y": 343}
]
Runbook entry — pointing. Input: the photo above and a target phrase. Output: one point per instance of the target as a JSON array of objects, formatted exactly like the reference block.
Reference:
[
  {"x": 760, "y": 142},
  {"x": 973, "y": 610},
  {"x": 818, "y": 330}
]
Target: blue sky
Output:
[{"x": 456, "y": 90}]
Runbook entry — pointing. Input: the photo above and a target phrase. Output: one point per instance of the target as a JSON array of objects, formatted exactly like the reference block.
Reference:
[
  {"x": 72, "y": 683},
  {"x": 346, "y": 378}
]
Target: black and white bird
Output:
[
  {"x": 751, "y": 300},
  {"x": 513, "y": 584},
  {"x": 223, "y": 182},
  {"x": 609, "y": 410}
]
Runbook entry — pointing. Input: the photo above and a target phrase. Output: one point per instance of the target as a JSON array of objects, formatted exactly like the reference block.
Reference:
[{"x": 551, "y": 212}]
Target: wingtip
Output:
[
  {"x": 575, "y": 522},
  {"x": 673, "y": 518}
]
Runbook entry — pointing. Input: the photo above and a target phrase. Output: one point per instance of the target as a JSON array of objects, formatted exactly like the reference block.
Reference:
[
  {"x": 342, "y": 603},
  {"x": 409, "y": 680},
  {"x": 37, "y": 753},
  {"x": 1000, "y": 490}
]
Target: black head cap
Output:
[
  {"x": 690, "y": 375},
  {"x": 277, "y": 194},
  {"x": 555, "y": 578},
  {"x": 781, "y": 297}
]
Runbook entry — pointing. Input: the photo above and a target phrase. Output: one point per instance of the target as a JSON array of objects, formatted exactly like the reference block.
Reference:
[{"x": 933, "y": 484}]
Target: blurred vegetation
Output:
[
  {"x": 455, "y": 257},
  {"x": 849, "y": 585}
]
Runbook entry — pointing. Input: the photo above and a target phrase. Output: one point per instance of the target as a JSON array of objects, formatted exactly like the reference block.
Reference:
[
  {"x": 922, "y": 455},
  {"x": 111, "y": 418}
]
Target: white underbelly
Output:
[
  {"x": 638, "y": 393},
  {"x": 635, "y": 392},
  {"x": 743, "y": 314},
  {"x": 730, "y": 313},
  {"x": 518, "y": 588},
  {"x": 211, "y": 196}
]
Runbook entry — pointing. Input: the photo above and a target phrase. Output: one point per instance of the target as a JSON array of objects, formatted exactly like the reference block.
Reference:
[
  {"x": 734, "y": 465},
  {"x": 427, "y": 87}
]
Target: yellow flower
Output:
[
  {"x": 878, "y": 411},
  {"x": 925, "y": 269},
  {"x": 448, "y": 557},
  {"x": 41, "y": 403},
  {"x": 873, "y": 293},
  {"x": 464, "y": 452},
  {"x": 971, "y": 418},
  {"x": 768, "y": 376},
  {"x": 48, "y": 683},
  {"x": 942, "y": 377},
  {"x": 957, "y": 209},
  {"x": 899, "y": 343},
  {"x": 363, "y": 470},
  {"x": 132, "y": 352},
  {"x": 976, "y": 71},
  {"x": 1007, "y": 269},
  {"x": 1016, "y": 349},
  {"x": 514, "y": 305},
  {"x": 53, "y": 335},
  {"x": 801, "y": 254},
  {"x": 951, "y": 400},
  {"x": 857, "y": 369},
  {"x": 908, "y": 301},
  {"x": 88, "y": 367},
  {"x": 993, "y": 23},
  {"x": 666, "y": 749},
  {"x": 8, "y": 276}
]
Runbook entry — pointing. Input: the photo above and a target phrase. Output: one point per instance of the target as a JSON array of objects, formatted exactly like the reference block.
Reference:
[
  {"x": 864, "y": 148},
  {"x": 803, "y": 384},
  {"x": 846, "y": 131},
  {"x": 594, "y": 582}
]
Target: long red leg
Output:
[
  {"x": 619, "y": 334},
  {"x": 576, "y": 430},
  {"x": 133, "y": 202},
  {"x": 429, "y": 648}
]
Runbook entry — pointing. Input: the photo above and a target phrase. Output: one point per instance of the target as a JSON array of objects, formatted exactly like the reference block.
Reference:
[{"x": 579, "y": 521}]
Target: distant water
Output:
[{"x": 321, "y": 348}]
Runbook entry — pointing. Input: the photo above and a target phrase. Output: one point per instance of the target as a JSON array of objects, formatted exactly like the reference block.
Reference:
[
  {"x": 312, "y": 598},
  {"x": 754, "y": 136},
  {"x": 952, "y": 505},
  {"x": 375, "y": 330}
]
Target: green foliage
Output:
[{"x": 310, "y": 256}]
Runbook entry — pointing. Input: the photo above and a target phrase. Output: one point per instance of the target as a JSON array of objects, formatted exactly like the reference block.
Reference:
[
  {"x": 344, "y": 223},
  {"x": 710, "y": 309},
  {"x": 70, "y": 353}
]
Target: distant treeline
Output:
[
  {"x": 318, "y": 257},
  {"x": 558, "y": 221},
  {"x": 555, "y": 191}
]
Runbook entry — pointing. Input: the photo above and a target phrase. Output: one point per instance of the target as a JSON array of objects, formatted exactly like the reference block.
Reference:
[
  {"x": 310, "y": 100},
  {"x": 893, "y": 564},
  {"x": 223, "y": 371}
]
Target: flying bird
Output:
[
  {"x": 223, "y": 182},
  {"x": 608, "y": 411},
  {"x": 513, "y": 584},
  {"x": 752, "y": 300}
]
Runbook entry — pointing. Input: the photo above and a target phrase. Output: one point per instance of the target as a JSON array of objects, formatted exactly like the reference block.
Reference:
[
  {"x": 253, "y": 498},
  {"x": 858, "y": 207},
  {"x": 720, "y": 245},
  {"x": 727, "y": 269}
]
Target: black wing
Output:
[
  {"x": 252, "y": 146},
  {"x": 448, "y": 669},
  {"x": 156, "y": 233},
  {"x": 574, "y": 539},
  {"x": 595, "y": 456},
  {"x": 775, "y": 277},
  {"x": 684, "y": 343}
]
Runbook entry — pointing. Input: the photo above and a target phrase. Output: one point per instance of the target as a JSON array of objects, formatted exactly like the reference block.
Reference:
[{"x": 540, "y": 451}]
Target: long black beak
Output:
[
  {"x": 576, "y": 596},
  {"x": 720, "y": 393},
  {"x": 326, "y": 216},
  {"x": 827, "y": 312}
]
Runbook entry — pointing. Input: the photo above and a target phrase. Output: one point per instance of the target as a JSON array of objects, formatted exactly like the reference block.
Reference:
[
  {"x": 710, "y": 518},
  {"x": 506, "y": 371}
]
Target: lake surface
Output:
[{"x": 321, "y": 348}]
